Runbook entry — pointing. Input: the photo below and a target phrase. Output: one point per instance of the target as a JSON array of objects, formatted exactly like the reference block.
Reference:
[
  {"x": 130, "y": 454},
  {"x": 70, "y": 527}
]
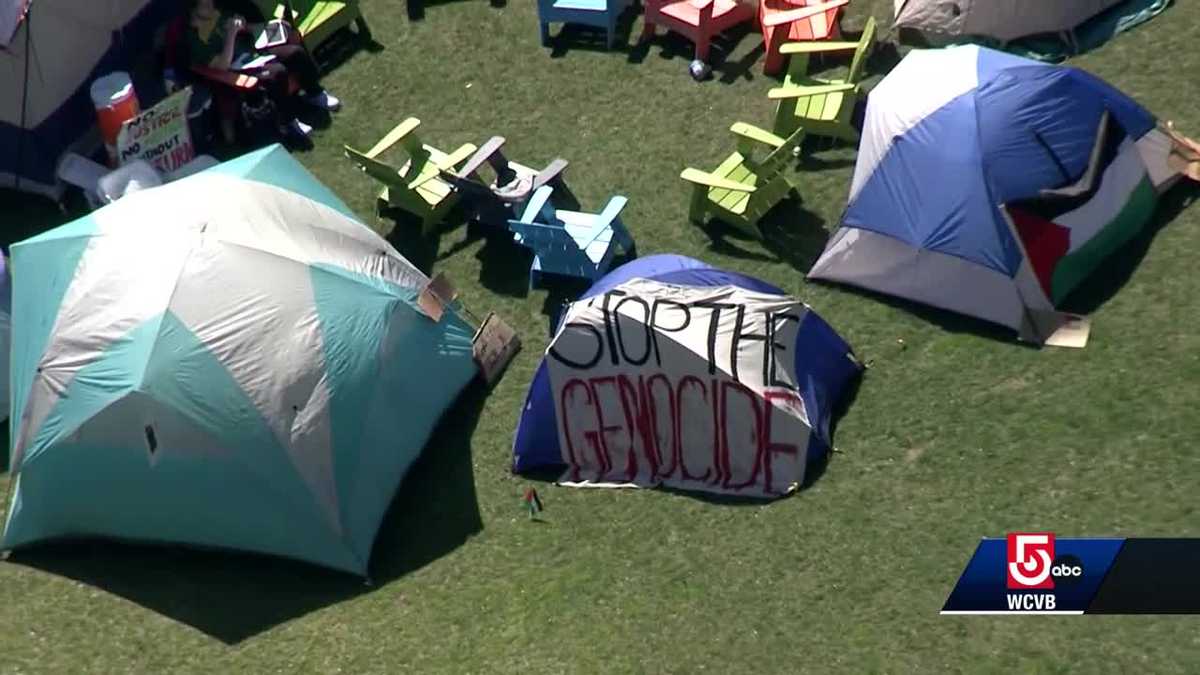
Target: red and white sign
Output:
[
  {"x": 687, "y": 387},
  {"x": 159, "y": 135},
  {"x": 1030, "y": 558}
]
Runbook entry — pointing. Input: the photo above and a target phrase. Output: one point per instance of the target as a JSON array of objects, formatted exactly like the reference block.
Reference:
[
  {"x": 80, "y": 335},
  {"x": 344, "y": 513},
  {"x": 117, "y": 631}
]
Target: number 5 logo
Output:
[{"x": 1030, "y": 557}]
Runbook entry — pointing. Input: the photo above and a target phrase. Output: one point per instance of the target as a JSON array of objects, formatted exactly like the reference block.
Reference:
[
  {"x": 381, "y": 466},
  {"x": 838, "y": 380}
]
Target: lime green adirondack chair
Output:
[
  {"x": 416, "y": 187},
  {"x": 742, "y": 189},
  {"x": 822, "y": 107},
  {"x": 316, "y": 19}
]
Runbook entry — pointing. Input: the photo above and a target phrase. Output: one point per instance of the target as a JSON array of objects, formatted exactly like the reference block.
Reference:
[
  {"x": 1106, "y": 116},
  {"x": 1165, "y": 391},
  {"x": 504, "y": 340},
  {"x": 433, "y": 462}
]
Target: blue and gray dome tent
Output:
[
  {"x": 992, "y": 185},
  {"x": 231, "y": 360},
  {"x": 669, "y": 371}
]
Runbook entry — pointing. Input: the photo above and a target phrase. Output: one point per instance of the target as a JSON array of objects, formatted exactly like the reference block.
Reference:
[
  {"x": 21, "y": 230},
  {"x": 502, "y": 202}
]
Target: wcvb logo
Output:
[{"x": 1030, "y": 559}]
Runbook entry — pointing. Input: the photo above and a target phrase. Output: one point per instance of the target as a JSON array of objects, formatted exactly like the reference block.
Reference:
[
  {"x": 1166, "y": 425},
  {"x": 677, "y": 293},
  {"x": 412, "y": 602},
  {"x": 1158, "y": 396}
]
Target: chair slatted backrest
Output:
[{"x": 865, "y": 43}]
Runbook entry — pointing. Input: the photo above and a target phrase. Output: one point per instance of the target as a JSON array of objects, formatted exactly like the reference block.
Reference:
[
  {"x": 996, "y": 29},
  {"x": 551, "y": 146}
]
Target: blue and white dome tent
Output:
[
  {"x": 992, "y": 185},
  {"x": 671, "y": 372}
]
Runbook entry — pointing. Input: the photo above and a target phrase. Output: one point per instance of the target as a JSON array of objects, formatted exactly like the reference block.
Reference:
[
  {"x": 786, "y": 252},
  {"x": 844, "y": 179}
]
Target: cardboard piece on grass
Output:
[
  {"x": 1073, "y": 332},
  {"x": 494, "y": 345},
  {"x": 438, "y": 293}
]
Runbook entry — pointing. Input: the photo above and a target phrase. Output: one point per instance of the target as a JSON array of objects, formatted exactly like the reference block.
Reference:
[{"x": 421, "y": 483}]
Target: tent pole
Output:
[{"x": 24, "y": 97}]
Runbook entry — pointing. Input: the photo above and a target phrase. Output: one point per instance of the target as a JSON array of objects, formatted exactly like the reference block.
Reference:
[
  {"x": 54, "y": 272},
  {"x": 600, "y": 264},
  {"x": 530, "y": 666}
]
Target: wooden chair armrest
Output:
[
  {"x": 547, "y": 175},
  {"x": 394, "y": 136},
  {"x": 816, "y": 90},
  {"x": 707, "y": 179},
  {"x": 817, "y": 47},
  {"x": 753, "y": 133},
  {"x": 611, "y": 210},
  {"x": 481, "y": 156},
  {"x": 229, "y": 78},
  {"x": 536, "y": 203},
  {"x": 457, "y": 157},
  {"x": 792, "y": 15}
]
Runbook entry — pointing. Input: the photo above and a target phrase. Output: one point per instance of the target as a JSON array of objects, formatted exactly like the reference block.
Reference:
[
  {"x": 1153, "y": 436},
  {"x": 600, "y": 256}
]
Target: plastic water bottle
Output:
[{"x": 170, "y": 81}]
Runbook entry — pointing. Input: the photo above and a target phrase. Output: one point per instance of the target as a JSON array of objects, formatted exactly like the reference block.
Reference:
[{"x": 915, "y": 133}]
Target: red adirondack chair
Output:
[
  {"x": 795, "y": 21},
  {"x": 697, "y": 20}
]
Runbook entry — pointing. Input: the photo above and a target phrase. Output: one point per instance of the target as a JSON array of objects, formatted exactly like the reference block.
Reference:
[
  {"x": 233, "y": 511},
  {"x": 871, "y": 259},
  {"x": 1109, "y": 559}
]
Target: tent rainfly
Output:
[
  {"x": 230, "y": 360},
  {"x": 992, "y": 185},
  {"x": 942, "y": 21}
]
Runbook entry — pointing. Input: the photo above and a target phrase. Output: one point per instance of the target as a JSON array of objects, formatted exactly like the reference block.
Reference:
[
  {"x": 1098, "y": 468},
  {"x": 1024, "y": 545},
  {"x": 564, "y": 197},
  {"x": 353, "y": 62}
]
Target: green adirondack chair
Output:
[
  {"x": 822, "y": 107},
  {"x": 316, "y": 19},
  {"x": 742, "y": 189},
  {"x": 416, "y": 187}
]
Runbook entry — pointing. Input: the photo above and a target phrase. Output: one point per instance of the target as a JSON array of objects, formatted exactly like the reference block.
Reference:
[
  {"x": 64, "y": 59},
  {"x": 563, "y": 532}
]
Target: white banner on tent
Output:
[{"x": 686, "y": 387}]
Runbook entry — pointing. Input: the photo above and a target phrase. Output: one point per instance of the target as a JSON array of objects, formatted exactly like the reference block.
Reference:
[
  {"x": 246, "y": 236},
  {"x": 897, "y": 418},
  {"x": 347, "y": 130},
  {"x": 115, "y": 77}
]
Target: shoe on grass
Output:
[{"x": 324, "y": 100}]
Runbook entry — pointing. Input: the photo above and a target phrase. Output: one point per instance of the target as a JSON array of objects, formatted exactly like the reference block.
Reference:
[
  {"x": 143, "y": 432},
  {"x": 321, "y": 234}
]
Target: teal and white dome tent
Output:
[{"x": 231, "y": 360}]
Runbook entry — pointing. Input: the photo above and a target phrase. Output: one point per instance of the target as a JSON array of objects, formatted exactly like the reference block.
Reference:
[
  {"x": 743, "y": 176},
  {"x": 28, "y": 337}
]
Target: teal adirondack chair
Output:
[
  {"x": 598, "y": 13},
  {"x": 743, "y": 189},
  {"x": 822, "y": 107},
  {"x": 416, "y": 187},
  {"x": 570, "y": 243}
]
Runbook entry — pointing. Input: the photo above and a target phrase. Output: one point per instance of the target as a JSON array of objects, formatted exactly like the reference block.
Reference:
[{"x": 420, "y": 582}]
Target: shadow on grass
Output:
[
  {"x": 591, "y": 38},
  {"x": 1115, "y": 272},
  {"x": 343, "y": 45},
  {"x": 233, "y": 596},
  {"x": 673, "y": 45},
  {"x": 416, "y": 8},
  {"x": 791, "y": 233}
]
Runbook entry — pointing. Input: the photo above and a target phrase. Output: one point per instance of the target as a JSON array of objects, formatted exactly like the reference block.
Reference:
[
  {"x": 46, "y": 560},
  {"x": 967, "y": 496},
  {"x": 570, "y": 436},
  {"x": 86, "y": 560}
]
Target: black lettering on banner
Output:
[
  {"x": 713, "y": 322},
  {"x": 576, "y": 364},
  {"x": 655, "y": 327},
  {"x": 773, "y": 367},
  {"x": 645, "y": 324},
  {"x": 608, "y": 328},
  {"x": 738, "y": 336}
]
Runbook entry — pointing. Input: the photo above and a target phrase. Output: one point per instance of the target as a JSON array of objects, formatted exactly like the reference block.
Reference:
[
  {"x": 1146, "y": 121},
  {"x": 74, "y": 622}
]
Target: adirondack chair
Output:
[
  {"x": 316, "y": 20},
  {"x": 697, "y": 20},
  {"x": 570, "y": 243},
  {"x": 598, "y": 13},
  {"x": 822, "y": 107},
  {"x": 505, "y": 197},
  {"x": 797, "y": 21},
  {"x": 416, "y": 187},
  {"x": 743, "y": 189}
]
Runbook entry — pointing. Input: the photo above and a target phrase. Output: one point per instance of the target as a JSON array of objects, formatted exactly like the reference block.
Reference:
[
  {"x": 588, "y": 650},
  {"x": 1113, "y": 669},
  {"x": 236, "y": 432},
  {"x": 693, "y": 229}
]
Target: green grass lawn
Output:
[{"x": 957, "y": 431}]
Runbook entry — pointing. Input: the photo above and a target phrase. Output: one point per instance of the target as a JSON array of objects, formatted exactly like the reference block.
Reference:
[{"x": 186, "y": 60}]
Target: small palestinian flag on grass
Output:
[{"x": 532, "y": 502}]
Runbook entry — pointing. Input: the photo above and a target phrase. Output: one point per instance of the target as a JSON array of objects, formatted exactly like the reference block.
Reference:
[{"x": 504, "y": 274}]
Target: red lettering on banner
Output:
[
  {"x": 655, "y": 447},
  {"x": 756, "y": 437},
  {"x": 616, "y": 419},
  {"x": 771, "y": 448},
  {"x": 589, "y": 437},
  {"x": 681, "y": 390}
]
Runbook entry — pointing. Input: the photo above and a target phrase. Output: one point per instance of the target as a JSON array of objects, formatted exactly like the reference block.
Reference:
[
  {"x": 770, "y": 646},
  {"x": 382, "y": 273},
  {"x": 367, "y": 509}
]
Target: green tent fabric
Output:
[{"x": 231, "y": 360}]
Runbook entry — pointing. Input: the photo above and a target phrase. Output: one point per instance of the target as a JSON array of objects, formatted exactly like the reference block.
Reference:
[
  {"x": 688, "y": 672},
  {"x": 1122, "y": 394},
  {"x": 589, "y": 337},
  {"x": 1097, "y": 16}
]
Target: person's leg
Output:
[{"x": 297, "y": 61}]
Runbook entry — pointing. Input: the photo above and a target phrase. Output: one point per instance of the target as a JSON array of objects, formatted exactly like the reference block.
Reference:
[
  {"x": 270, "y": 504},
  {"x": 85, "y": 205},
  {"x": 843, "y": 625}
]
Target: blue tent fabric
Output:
[
  {"x": 823, "y": 381},
  {"x": 1025, "y": 127},
  {"x": 273, "y": 165}
]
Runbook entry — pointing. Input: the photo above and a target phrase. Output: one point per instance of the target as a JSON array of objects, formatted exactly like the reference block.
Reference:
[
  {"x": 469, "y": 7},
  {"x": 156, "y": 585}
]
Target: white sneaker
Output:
[
  {"x": 298, "y": 128},
  {"x": 325, "y": 100}
]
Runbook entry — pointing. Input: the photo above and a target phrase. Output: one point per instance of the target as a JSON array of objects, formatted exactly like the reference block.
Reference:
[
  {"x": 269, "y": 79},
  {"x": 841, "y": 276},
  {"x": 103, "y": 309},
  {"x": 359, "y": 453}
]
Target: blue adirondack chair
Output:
[
  {"x": 599, "y": 13},
  {"x": 570, "y": 243}
]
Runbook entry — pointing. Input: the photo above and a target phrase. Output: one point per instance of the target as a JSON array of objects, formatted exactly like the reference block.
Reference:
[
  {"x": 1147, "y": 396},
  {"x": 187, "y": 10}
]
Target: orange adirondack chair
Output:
[
  {"x": 795, "y": 21},
  {"x": 697, "y": 20}
]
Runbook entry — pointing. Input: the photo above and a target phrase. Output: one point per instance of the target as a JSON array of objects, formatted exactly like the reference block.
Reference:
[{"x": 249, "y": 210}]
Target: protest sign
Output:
[
  {"x": 687, "y": 387},
  {"x": 159, "y": 135}
]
